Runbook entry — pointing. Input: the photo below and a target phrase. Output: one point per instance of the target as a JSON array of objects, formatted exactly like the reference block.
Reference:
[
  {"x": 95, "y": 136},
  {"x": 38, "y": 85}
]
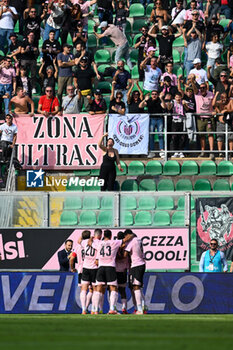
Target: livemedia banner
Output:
[
  {"x": 130, "y": 132},
  {"x": 165, "y": 293},
  {"x": 37, "y": 248},
  {"x": 214, "y": 221},
  {"x": 67, "y": 142}
]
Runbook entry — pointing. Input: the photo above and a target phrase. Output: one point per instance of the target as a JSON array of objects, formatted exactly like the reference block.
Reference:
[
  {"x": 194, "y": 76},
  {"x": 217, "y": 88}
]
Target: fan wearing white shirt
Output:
[
  {"x": 200, "y": 73},
  {"x": 8, "y": 15}
]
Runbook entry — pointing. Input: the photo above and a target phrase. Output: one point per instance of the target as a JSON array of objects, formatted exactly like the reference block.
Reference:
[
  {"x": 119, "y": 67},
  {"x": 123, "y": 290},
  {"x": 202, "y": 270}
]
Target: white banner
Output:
[{"x": 130, "y": 132}]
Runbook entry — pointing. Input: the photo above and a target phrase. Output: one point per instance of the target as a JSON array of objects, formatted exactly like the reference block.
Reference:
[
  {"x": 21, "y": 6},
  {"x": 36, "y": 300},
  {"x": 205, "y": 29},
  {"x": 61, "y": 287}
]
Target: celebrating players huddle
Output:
[{"x": 103, "y": 263}]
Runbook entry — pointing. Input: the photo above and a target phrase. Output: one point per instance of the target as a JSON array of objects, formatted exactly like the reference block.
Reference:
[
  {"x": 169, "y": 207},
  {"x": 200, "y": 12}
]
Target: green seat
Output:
[
  {"x": 128, "y": 27},
  {"x": 193, "y": 251},
  {"x": 225, "y": 168},
  {"x": 149, "y": 9},
  {"x": 124, "y": 167},
  {"x": 189, "y": 167},
  {"x": 95, "y": 172},
  {"x": 138, "y": 24},
  {"x": 176, "y": 56},
  {"x": 194, "y": 267},
  {"x": 129, "y": 185},
  {"x": 134, "y": 72},
  {"x": 202, "y": 185},
  {"x": 161, "y": 218},
  {"x": 91, "y": 41},
  {"x": 194, "y": 236},
  {"x": 136, "y": 10},
  {"x": 72, "y": 187},
  {"x": 135, "y": 168},
  {"x": 102, "y": 56},
  {"x": 171, "y": 168},
  {"x": 102, "y": 67},
  {"x": 105, "y": 218},
  {"x": 178, "y": 42},
  {"x": 147, "y": 185},
  {"x": 136, "y": 37},
  {"x": 208, "y": 167},
  {"x": 177, "y": 70},
  {"x": 134, "y": 56},
  {"x": 68, "y": 218},
  {"x": 87, "y": 218},
  {"x": 109, "y": 43},
  {"x": 178, "y": 218},
  {"x": 184, "y": 185},
  {"x": 82, "y": 172},
  {"x": 143, "y": 218},
  {"x": 221, "y": 185},
  {"x": 193, "y": 219},
  {"x": 91, "y": 25},
  {"x": 181, "y": 203},
  {"x": 154, "y": 167},
  {"x": 105, "y": 87},
  {"x": 116, "y": 186},
  {"x": 129, "y": 203},
  {"x": 91, "y": 202},
  {"x": 73, "y": 203},
  {"x": 91, "y": 188},
  {"x": 165, "y": 203},
  {"x": 146, "y": 203},
  {"x": 127, "y": 219},
  {"x": 224, "y": 22},
  {"x": 107, "y": 202},
  {"x": 166, "y": 185}
]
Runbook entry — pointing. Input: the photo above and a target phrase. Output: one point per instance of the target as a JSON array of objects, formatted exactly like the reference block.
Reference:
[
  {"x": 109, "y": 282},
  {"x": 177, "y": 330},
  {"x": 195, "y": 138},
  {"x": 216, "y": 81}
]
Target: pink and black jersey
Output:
[
  {"x": 107, "y": 251},
  {"x": 79, "y": 254},
  {"x": 135, "y": 249},
  {"x": 90, "y": 253}
]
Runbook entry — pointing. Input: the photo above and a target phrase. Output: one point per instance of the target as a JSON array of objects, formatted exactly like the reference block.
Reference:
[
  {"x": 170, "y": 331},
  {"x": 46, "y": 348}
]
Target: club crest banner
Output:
[
  {"x": 70, "y": 141},
  {"x": 215, "y": 221},
  {"x": 130, "y": 132}
]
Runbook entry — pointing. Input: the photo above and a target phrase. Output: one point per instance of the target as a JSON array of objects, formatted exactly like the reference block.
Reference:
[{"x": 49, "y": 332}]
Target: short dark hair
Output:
[
  {"x": 69, "y": 240},
  {"x": 98, "y": 231},
  {"x": 214, "y": 239},
  {"x": 108, "y": 234},
  {"x": 52, "y": 31},
  {"x": 120, "y": 235},
  {"x": 86, "y": 234},
  {"x": 19, "y": 88}
]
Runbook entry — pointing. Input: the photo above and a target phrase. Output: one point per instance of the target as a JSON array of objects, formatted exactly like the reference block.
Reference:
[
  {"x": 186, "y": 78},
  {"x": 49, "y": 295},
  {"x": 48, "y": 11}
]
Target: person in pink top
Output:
[
  {"x": 188, "y": 13},
  {"x": 7, "y": 81},
  {"x": 89, "y": 270},
  {"x": 205, "y": 123},
  {"x": 169, "y": 73},
  {"x": 106, "y": 275},
  {"x": 122, "y": 265},
  {"x": 135, "y": 250}
]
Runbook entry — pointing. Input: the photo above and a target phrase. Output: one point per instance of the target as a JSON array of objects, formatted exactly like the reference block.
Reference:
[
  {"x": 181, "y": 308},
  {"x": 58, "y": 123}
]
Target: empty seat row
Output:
[
  {"x": 160, "y": 218},
  {"x": 151, "y": 203},
  {"x": 87, "y": 218},
  {"x": 90, "y": 202},
  {"x": 170, "y": 168},
  {"x": 181, "y": 185}
]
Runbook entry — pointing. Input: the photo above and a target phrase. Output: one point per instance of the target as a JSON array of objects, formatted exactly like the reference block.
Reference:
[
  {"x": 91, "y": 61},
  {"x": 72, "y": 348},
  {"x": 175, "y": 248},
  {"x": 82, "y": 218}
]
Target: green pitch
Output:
[{"x": 119, "y": 332}]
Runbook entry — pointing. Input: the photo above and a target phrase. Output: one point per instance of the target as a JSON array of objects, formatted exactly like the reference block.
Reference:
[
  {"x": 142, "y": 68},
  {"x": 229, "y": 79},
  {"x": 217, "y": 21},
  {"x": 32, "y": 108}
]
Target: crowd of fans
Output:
[{"x": 67, "y": 75}]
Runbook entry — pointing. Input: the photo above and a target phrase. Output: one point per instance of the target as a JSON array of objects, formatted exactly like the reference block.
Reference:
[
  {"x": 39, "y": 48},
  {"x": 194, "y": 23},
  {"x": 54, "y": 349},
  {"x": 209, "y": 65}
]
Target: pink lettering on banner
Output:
[
  {"x": 59, "y": 142},
  {"x": 164, "y": 249}
]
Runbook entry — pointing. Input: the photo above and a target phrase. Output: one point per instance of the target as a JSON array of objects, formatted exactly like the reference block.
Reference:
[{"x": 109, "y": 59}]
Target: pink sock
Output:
[
  {"x": 83, "y": 297},
  {"x": 89, "y": 296},
  {"x": 101, "y": 304},
  {"x": 97, "y": 297},
  {"x": 113, "y": 300},
  {"x": 133, "y": 298},
  {"x": 138, "y": 298}
]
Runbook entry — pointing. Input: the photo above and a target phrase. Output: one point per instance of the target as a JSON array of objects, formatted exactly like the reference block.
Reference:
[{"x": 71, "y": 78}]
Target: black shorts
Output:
[
  {"x": 122, "y": 278},
  {"x": 136, "y": 275},
  {"x": 106, "y": 275},
  {"x": 89, "y": 275},
  {"x": 79, "y": 278}
]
